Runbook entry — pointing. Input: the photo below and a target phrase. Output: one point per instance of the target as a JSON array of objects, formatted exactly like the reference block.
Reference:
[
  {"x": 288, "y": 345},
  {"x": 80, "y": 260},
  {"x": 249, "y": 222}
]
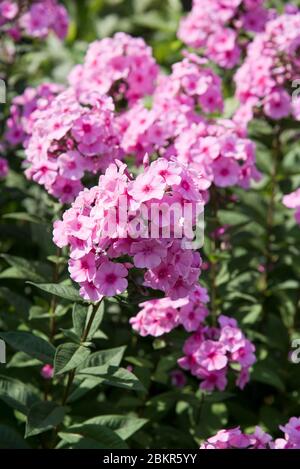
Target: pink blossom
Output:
[
  {"x": 156, "y": 317},
  {"x": 42, "y": 17},
  {"x": 212, "y": 380},
  {"x": 83, "y": 269},
  {"x": 178, "y": 378},
  {"x": 226, "y": 439},
  {"x": 292, "y": 200},
  {"x": 192, "y": 315},
  {"x": 47, "y": 372},
  {"x": 226, "y": 172},
  {"x": 277, "y": 104},
  {"x": 69, "y": 137},
  {"x": 110, "y": 278},
  {"x": 71, "y": 165},
  {"x": 292, "y": 432},
  {"x": 121, "y": 66},
  {"x": 93, "y": 227},
  {"x": 208, "y": 354},
  {"x": 3, "y": 168},
  {"x": 259, "y": 439},
  {"x": 147, "y": 186},
  {"x": 147, "y": 254},
  {"x": 219, "y": 29},
  {"x": 212, "y": 355},
  {"x": 90, "y": 292},
  {"x": 8, "y": 9},
  {"x": 271, "y": 64}
]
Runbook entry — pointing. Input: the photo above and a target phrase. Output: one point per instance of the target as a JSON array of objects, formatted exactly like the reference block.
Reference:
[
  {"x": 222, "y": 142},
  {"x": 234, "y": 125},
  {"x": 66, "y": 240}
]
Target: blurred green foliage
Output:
[{"x": 141, "y": 409}]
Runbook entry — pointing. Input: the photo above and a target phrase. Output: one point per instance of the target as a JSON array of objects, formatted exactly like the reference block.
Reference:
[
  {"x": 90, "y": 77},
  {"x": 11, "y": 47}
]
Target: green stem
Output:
[
  {"x": 277, "y": 155},
  {"x": 55, "y": 277},
  {"x": 71, "y": 374},
  {"x": 90, "y": 322},
  {"x": 83, "y": 338},
  {"x": 201, "y": 404}
]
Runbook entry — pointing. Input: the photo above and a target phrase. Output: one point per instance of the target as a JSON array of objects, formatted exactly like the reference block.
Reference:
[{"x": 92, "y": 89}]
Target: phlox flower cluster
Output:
[
  {"x": 73, "y": 135},
  {"x": 160, "y": 316},
  {"x": 122, "y": 67},
  {"x": 235, "y": 439},
  {"x": 220, "y": 151},
  {"x": 211, "y": 352},
  {"x": 292, "y": 200},
  {"x": 217, "y": 148},
  {"x": 264, "y": 80},
  {"x": 218, "y": 27},
  {"x": 179, "y": 123},
  {"x": 3, "y": 168},
  {"x": 104, "y": 247},
  {"x": 190, "y": 86},
  {"x": 179, "y": 99},
  {"x": 35, "y": 19},
  {"x": 19, "y": 125}
]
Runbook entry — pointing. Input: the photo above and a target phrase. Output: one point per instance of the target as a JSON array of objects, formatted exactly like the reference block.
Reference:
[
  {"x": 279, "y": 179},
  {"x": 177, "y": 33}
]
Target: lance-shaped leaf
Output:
[
  {"x": 122, "y": 425},
  {"x": 102, "y": 360},
  {"x": 92, "y": 436},
  {"x": 43, "y": 416},
  {"x": 114, "y": 376},
  {"x": 31, "y": 344},
  {"x": 27, "y": 269},
  {"x": 81, "y": 316},
  {"x": 69, "y": 356},
  {"x": 10, "y": 439},
  {"x": 59, "y": 289},
  {"x": 16, "y": 394}
]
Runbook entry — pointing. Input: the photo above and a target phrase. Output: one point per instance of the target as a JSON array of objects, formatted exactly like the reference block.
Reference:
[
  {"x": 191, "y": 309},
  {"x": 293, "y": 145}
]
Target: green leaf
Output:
[
  {"x": 96, "y": 436},
  {"x": 21, "y": 274},
  {"x": 57, "y": 260},
  {"x": 96, "y": 321},
  {"x": 119, "y": 377},
  {"x": 102, "y": 360},
  {"x": 24, "y": 268},
  {"x": 43, "y": 416},
  {"x": 107, "y": 357},
  {"x": 38, "y": 312},
  {"x": 232, "y": 218},
  {"x": 68, "y": 356},
  {"x": 70, "y": 334},
  {"x": 10, "y": 439},
  {"x": 22, "y": 360},
  {"x": 59, "y": 289},
  {"x": 84, "y": 386},
  {"x": 263, "y": 373},
  {"x": 81, "y": 316},
  {"x": 18, "y": 395},
  {"x": 34, "y": 346},
  {"x": 19, "y": 302},
  {"x": 122, "y": 425},
  {"x": 23, "y": 216},
  {"x": 217, "y": 396}
]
